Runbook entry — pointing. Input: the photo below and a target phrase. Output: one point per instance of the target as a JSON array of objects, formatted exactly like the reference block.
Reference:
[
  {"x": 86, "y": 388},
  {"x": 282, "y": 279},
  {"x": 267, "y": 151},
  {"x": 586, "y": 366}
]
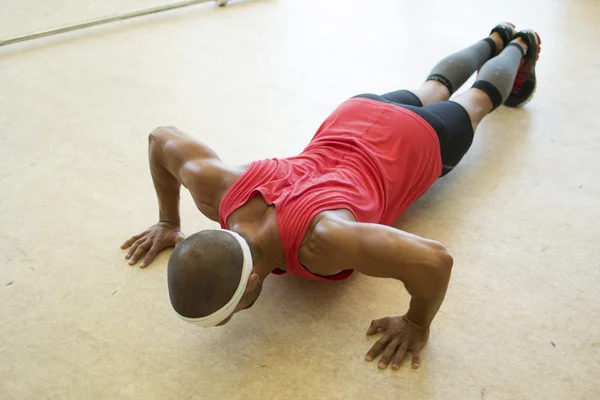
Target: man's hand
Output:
[
  {"x": 399, "y": 334},
  {"x": 151, "y": 242}
]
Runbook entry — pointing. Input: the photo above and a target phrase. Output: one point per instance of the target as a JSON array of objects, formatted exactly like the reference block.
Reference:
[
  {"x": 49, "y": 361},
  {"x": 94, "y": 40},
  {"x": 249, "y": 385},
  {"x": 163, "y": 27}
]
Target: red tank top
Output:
[{"x": 371, "y": 158}]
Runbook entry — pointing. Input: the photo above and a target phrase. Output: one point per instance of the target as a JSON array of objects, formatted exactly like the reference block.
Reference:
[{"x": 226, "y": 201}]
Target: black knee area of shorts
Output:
[
  {"x": 399, "y": 97},
  {"x": 452, "y": 124},
  {"x": 492, "y": 92},
  {"x": 404, "y": 97},
  {"x": 455, "y": 132},
  {"x": 370, "y": 96}
]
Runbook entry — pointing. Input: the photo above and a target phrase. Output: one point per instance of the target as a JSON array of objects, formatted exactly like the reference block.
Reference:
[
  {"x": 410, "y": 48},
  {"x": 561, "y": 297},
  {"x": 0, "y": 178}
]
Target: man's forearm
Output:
[
  {"x": 166, "y": 185},
  {"x": 168, "y": 203},
  {"x": 423, "y": 310}
]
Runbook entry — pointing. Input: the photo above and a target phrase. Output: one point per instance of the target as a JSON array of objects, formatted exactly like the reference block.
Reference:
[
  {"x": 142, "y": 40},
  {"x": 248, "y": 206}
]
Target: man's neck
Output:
[{"x": 263, "y": 238}]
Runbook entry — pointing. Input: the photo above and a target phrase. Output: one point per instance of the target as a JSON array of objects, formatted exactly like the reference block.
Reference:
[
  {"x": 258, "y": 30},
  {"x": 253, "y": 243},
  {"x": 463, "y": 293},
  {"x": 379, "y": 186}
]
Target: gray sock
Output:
[
  {"x": 497, "y": 76},
  {"x": 454, "y": 70}
]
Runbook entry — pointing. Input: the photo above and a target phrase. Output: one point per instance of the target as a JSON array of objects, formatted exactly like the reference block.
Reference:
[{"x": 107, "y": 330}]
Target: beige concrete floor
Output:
[{"x": 520, "y": 214}]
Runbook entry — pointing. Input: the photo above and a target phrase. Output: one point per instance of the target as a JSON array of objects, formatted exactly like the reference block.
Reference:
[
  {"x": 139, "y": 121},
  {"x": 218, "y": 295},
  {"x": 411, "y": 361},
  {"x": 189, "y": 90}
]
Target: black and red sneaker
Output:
[{"x": 525, "y": 81}]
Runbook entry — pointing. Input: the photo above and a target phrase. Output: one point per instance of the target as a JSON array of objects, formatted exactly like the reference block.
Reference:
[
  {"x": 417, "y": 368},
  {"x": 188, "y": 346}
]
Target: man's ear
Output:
[{"x": 253, "y": 283}]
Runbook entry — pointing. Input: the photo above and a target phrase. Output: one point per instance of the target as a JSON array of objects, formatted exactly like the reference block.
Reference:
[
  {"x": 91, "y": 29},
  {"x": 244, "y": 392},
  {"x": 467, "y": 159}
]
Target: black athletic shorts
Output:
[{"x": 450, "y": 121}]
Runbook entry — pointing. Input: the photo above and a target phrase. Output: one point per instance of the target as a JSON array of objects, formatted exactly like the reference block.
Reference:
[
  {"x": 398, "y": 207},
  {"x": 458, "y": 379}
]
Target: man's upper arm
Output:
[
  {"x": 192, "y": 163},
  {"x": 379, "y": 251}
]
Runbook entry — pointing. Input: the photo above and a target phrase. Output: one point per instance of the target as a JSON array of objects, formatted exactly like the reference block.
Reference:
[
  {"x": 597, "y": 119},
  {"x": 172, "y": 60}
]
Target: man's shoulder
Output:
[{"x": 316, "y": 243}]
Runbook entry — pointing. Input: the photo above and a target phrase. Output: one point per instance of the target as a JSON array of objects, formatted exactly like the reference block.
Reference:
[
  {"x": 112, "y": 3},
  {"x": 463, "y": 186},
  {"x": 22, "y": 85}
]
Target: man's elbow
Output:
[
  {"x": 158, "y": 142},
  {"x": 160, "y": 134},
  {"x": 439, "y": 270},
  {"x": 443, "y": 262},
  {"x": 154, "y": 138},
  {"x": 446, "y": 261}
]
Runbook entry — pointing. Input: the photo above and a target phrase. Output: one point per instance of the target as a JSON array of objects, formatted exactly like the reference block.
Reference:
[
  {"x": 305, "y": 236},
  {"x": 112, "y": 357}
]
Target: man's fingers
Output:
[
  {"x": 388, "y": 353},
  {"x": 377, "y": 348},
  {"x": 154, "y": 250},
  {"x": 416, "y": 355},
  {"x": 132, "y": 249},
  {"x": 139, "y": 253},
  {"x": 131, "y": 241},
  {"x": 375, "y": 326},
  {"x": 400, "y": 355}
]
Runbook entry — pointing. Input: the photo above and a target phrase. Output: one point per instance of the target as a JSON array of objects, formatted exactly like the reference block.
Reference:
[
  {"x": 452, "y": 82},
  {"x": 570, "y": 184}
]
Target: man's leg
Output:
[
  {"x": 453, "y": 71},
  {"x": 455, "y": 121},
  {"x": 496, "y": 78}
]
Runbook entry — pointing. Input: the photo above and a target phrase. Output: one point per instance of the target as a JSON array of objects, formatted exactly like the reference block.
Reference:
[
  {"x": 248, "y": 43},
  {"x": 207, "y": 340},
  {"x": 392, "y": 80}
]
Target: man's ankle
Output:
[
  {"x": 521, "y": 43},
  {"x": 495, "y": 36}
]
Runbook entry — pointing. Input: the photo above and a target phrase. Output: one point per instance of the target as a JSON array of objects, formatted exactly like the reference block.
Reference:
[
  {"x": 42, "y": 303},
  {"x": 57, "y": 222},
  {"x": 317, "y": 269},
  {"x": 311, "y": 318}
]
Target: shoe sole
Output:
[{"x": 527, "y": 100}]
